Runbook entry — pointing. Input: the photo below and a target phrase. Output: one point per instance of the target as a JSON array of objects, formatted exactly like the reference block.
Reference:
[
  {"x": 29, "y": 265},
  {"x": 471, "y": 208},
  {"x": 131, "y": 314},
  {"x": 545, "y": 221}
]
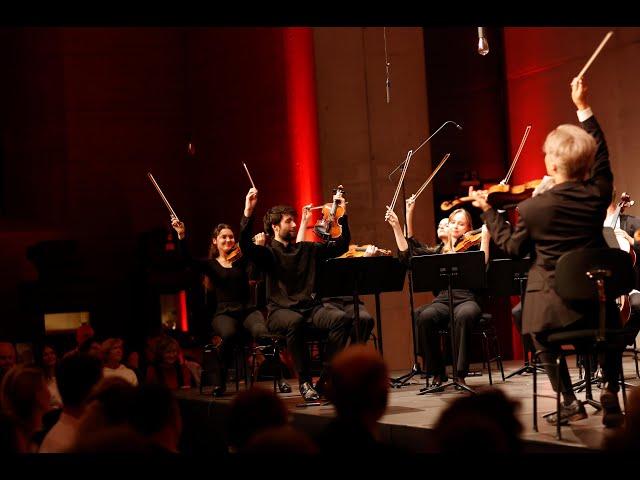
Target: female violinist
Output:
[
  {"x": 228, "y": 272},
  {"x": 432, "y": 317}
]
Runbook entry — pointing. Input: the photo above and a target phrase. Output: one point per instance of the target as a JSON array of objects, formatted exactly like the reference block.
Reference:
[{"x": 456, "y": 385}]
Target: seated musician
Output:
[
  {"x": 567, "y": 216},
  {"x": 291, "y": 269},
  {"x": 432, "y": 317},
  {"x": 345, "y": 303},
  {"x": 227, "y": 271},
  {"x": 625, "y": 227}
]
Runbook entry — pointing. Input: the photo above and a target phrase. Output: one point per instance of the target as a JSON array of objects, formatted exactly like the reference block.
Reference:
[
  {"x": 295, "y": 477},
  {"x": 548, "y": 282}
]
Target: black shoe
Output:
[
  {"x": 321, "y": 385},
  {"x": 612, "y": 414},
  {"x": 435, "y": 387},
  {"x": 284, "y": 387},
  {"x": 308, "y": 392},
  {"x": 568, "y": 413}
]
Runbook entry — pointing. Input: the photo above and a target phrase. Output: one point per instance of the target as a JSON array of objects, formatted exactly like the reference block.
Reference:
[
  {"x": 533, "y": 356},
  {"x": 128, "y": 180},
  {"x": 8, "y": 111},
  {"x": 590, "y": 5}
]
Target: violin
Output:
[
  {"x": 235, "y": 254},
  {"x": 502, "y": 194},
  {"x": 469, "y": 239},
  {"x": 328, "y": 227},
  {"x": 499, "y": 196},
  {"x": 359, "y": 250}
]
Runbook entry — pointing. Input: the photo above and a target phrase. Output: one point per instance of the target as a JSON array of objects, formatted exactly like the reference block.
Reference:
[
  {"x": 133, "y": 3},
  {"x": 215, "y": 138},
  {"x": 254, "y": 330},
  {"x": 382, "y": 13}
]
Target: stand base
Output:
[
  {"x": 440, "y": 388},
  {"x": 527, "y": 368},
  {"x": 403, "y": 380}
]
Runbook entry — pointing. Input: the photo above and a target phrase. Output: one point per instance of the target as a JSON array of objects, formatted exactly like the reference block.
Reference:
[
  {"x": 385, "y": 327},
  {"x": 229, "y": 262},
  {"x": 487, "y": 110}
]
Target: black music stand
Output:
[
  {"x": 507, "y": 277},
  {"x": 352, "y": 277},
  {"x": 437, "y": 272}
]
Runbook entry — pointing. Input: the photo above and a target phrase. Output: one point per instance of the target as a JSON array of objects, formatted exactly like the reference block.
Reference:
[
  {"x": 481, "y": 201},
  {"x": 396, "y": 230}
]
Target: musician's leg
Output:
[
  {"x": 429, "y": 320},
  {"x": 365, "y": 327},
  {"x": 291, "y": 324},
  {"x": 338, "y": 324},
  {"x": 465, "y": 316},
  {"x": 255, "y": 324},
  {"x": 563, "y": 381}
]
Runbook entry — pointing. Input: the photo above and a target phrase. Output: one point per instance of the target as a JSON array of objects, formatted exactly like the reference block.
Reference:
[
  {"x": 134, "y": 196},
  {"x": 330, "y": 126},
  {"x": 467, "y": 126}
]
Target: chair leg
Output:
[
  {"x": 486, "y": 355},
  {"x": 253, "y": 367},
  {"x": 558, "y": 406},
  {"x": 498, "y": 355},
  {"x": 635, "y": 358},
  {"x": 534, "y": 358},
  {"x": 237, "y": 365}
]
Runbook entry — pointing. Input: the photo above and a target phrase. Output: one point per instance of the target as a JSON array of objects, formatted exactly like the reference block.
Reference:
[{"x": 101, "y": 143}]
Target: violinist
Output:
[
  {"x": 345, "y": 303},
  {"x": 228, "y": 272},
  {"x": 291, "y": 269},
  {"x": 625, "y": 226},
  {"x": 432, "y": 317},
  {"x": 567, "y": 216}
]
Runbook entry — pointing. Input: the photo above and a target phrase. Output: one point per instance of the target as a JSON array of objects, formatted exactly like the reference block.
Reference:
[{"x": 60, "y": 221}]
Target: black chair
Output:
[
  {"x": 270, "y": 347},
  {"x": 491, "y": 351},
  {"x": 587, "y": 275},
  {"x": 213, "y": 363}
]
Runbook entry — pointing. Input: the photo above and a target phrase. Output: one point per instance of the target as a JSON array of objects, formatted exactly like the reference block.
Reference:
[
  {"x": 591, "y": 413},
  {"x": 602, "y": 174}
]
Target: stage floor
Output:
[{"x": 410, "y": 418}]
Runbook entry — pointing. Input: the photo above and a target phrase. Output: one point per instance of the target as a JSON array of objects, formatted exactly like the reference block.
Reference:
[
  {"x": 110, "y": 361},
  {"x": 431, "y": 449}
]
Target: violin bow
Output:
[
  {"x": 248, "y": 174},
  {"x": 404, "y": 172},
  {"x": 164, "y": 199},
  {"x": 595, "y": 54},
  {"x": 515, "y": 159},
  {"x": 433, "y": 174}
]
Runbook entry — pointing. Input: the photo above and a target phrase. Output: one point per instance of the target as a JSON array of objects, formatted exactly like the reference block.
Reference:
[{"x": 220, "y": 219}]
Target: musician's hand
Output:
[
  {"x": 411, "y": 203},
  {"x": 579, "y": 93},
  {"x": 250, "y": 201},
  {"x": 625, "y": 235},
  {"x": 178, "y": 226},
  {"x": 392, "y": 218},
  {"x": 371, "y": 251},
  {"x": 547, "y": 183},
  {"x": 479, "y": 199},
  {"x": 485, "y": 233},
  {"x": 341, "y": 201},
  {"x": 306, "y": 214},
  {"x": 260, "y": 239}
]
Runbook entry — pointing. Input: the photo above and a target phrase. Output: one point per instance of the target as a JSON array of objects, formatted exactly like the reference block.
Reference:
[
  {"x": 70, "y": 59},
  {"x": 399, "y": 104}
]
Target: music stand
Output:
[
  {"x": 507, "y": 277},
  {"x": 436, "y": 272},
  {"x": 352, "y": 277}
]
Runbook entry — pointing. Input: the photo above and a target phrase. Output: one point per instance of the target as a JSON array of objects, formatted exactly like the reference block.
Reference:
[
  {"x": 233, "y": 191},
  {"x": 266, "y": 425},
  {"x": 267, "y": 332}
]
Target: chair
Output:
[
  {"x": 212, "y": 364},
  {"x": 581, "y": 276},
  {"x": 491, "y": 351},
  {"x": 270, "y": 346}
]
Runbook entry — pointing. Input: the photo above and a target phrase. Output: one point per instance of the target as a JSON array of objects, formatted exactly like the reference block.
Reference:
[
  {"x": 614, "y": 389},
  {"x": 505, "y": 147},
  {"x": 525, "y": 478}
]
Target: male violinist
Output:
[
  {"x": 291, "y": 269},
  {"x": 566, "y": 217}
]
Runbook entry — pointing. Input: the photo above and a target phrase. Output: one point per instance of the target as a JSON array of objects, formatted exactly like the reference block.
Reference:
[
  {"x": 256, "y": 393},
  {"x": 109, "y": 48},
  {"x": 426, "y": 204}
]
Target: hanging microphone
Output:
[
  {"x": 483, "y": 45},
  {"x": 423, "y": 144}
]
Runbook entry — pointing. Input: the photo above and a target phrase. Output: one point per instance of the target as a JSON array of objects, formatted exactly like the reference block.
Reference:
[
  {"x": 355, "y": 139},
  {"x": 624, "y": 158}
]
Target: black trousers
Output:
[
  {"x": 365, "y": 326},
  {"x": 229, "y": 326},
  {"x": 435, "y": 316},
  {"x": 292, "y": 323},
  {"x": 610, "y": 360}
]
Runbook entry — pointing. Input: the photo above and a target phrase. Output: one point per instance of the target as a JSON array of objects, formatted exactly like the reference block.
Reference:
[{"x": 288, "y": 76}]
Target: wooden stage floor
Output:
[{"x": 410, "y": 418}]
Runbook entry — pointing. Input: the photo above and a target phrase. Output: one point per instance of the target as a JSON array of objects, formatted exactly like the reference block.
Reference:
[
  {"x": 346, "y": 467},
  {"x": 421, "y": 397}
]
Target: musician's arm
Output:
[
  {"x": 201, "y": 266},
  {"x": 515, "y": 243},
  {"x": 601, "y": 172},
  {"x": 258, "y": 254},
  {"x": 304, "y": 221}
]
